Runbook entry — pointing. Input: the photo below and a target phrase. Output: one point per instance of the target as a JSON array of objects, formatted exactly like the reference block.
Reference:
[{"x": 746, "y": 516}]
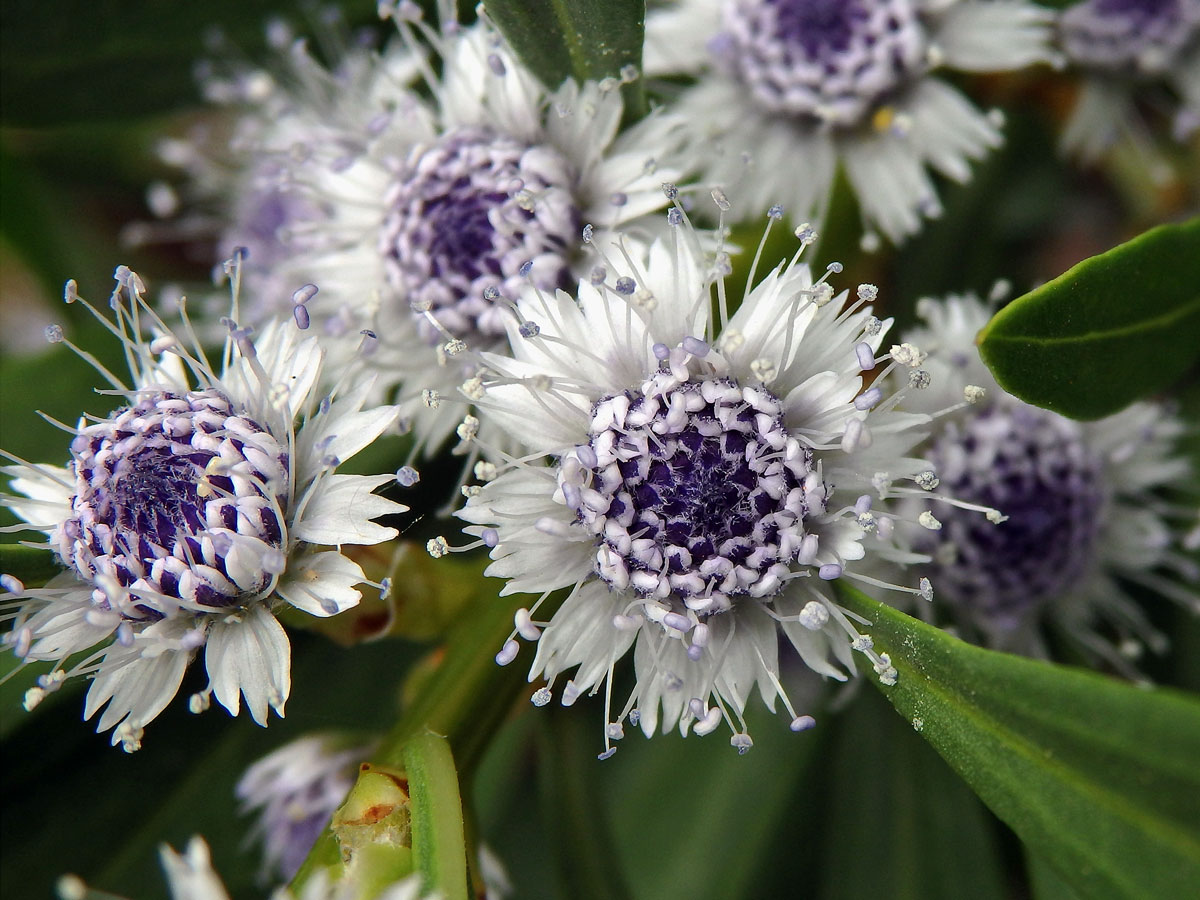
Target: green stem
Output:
[
  {"x": 464, "y": 699},
  {"x": 438, "y": 845}
]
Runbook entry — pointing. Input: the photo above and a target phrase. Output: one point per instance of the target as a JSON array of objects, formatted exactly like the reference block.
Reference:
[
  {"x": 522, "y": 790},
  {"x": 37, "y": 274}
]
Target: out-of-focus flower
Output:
[
  {"x": 294, "y": 790},
  {"x": 422, "y": 187},
  {"x": 1125, "y": 47},
  {"x": 1082, "y": 501},
  {"x": 789, "y": 90},
  {"x": 188, "y": 516}
]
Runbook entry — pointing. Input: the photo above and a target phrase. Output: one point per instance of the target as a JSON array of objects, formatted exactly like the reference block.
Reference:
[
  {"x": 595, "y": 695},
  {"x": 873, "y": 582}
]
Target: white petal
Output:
[
  {"x": 249, "y": 654},
  {"x": 49, "y": 486},
  {"x": 135, "y": 687},
  {"x": 947, "y": 130},
  {"x": 890, "y": 182},
  {"x": 318, "y": 579},
  {"x": 582, "y": 634},
  {"x": 1099, "y": 113},
  {"x": 759, "y": 159},
  {"x": 192, "y": 877},
  {"x": 582, "y": 122},
  {"x": 345, "y": 429},
  {"x": 61, "y": 629},
  {"x": 677, "y": 37},
  {"x": 291, "y": 367},
  {"x": 775, "y": 315},
  {"x": 341, "y": 509},
  {"x": 992, "y": 37}
]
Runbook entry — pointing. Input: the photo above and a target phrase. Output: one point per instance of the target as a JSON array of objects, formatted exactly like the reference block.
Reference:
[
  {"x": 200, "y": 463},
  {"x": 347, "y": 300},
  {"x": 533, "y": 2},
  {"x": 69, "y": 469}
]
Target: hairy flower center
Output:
[
  {"x": 465, "y": 217},
  {"x": 831, "y": 60},
  {"x": 693, "y": 490},
  {"x": 179, "y": 500},
  {"x": 1141, "y": 36},
  {"x": 1033, "y": 467}
]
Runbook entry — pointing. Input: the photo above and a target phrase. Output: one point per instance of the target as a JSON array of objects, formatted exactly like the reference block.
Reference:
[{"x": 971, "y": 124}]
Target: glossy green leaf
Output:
[
  {"x": 581, "y": 39},
  {"x": 1044, "y": 881},
  {"x": 1098, "y": 775},
  {"x": 1115, "y": 328},
  {"x": 439, "y": 848}
]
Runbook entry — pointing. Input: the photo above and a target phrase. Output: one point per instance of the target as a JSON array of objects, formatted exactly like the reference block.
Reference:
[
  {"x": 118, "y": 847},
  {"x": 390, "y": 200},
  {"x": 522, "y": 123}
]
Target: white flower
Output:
[
  {"x": 1080, "y": 503},
  {"x": 789, "y": 90},
  {"x": 191, "y": 876},
  {"x": 422, "y": 203},
  {"x": 705, "y": 477},
  {"x": 294, "y": 790},
  {"x": 192, "y": 513},
  {"x": 1124, "y": 49}
]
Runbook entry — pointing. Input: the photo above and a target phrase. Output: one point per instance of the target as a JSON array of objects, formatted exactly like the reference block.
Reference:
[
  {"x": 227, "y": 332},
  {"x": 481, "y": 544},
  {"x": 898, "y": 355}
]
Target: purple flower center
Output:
[
  {"x": 1141, "y": 37},
  {"x": 694, "y": 491},
  {"x": 465, "y": 217},
  {"x": 179, "y": 500},
  {"x": 1032, "y": 466},
  {"x": 829, "y": 60},
  {"x": 821, "y": 27}
]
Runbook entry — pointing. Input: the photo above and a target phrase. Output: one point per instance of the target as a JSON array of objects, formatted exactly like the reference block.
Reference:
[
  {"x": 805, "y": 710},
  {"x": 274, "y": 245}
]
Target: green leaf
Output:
[
  {"x": 1098, "y": 775},
  {"x": 1044, "y": 881},
  {"x": 439, "y": 848},
  {"x": 1116, "y": 327},
  {"x": 33, "y": 566},
  {"x": 581, "y": 39}
]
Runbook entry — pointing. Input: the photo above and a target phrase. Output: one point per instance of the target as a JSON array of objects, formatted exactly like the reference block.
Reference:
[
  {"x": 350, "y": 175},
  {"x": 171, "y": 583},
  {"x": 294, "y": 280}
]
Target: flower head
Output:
[
  {"x": 189, "y": 515},
  {"x": 694, "y": 479},
  {"x": 295, "y": 790},
  {"x": 844, "y": 82},
  {"x": 1079, "y": 505},
  {"x": 1124, "y": 46},
  {"x": 423, "y": 203}
]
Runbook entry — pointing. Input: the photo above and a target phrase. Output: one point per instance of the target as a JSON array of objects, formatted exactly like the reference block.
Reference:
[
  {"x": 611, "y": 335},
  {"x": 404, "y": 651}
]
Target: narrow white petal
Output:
[
  {"x": 318, "y": 582},
  {"x": 135, "y": 687},
  {"x": 995, "y": 36},
  {"x": 890, "y": 182},
  {"x": 947, "y": 130},
  {"x": 341, "y": 510},
  {"x": 249, "y": 654}
]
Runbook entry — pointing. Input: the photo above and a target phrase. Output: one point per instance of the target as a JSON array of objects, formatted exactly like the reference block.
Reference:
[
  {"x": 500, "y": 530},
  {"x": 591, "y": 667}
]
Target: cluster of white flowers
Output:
[
  {"x": 694, "y": 469},
  {"x": 419, "y": 194},
  {"x": 673, "y": 468}
]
